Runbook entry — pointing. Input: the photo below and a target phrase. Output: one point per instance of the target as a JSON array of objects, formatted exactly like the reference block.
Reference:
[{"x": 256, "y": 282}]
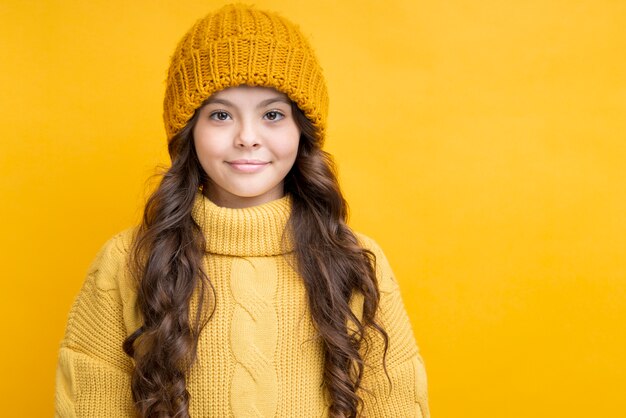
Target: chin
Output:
[{"x": 251, "y": 191}]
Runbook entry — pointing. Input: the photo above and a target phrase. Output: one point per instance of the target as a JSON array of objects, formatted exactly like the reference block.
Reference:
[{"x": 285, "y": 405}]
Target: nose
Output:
[{"x": 248, "y": 135}]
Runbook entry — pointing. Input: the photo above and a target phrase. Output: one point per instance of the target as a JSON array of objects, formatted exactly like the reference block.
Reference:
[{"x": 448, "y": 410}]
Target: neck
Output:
[
  {"x": 260, "y": 230},
  {"x": 228, "y": 200}
]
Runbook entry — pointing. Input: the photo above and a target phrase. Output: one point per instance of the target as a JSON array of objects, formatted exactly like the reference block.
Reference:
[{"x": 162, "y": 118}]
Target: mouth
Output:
[
  {"x": 250, "y": 162},
  {"x": 248, "y": 166}
]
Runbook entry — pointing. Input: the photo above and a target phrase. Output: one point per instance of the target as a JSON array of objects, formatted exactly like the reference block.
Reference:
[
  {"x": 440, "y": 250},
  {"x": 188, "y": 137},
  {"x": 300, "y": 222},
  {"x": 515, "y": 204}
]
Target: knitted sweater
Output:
[{"x": 258, "y": 356}]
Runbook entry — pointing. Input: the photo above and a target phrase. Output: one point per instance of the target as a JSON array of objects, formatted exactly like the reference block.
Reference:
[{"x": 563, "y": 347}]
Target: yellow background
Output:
[{"x": 481, "y": 143}]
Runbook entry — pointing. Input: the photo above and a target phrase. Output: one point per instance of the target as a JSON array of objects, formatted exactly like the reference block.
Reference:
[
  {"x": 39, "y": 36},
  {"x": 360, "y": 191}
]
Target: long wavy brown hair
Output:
[{"x": 166, "y": 261}]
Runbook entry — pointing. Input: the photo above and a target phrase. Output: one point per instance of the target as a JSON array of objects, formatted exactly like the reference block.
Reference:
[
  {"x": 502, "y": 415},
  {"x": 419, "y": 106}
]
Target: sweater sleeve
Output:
[
  {"x": 407, "y": 396},
  {"x": 93, "y": 372}
]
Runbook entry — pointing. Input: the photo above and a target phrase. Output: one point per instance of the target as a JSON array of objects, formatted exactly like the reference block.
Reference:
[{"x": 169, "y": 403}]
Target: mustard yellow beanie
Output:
[{"x": 238, "y": 45}]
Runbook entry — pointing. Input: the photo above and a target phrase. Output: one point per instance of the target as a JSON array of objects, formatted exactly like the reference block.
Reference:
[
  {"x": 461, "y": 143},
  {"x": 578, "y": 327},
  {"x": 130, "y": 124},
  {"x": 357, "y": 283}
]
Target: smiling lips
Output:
[{"x": 248, "y": 166}]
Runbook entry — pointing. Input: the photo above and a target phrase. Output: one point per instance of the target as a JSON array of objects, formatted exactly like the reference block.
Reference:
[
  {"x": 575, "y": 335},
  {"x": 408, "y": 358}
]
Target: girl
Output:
[{"x": 243, "y": 292}]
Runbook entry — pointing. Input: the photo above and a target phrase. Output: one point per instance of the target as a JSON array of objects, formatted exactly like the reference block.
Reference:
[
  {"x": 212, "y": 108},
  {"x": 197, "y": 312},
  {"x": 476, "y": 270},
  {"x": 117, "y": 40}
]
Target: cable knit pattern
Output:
[
  {"x": 260, "y": 354},
  {"x": 253, "y": 337}
]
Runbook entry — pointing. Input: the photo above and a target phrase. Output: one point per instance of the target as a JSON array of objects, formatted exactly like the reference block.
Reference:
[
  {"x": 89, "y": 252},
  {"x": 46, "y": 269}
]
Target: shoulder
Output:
[
  {"x": 104, "y": 294},
  {"x": 110, "y": 263},
  {"x": 369, "y": 243},
  {"x": 384, "y": 272},
  {"x": 100, "y": 316}
]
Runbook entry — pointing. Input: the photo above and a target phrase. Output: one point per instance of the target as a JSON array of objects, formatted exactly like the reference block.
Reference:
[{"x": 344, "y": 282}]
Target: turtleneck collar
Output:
[{"x": 248, "y": 232}]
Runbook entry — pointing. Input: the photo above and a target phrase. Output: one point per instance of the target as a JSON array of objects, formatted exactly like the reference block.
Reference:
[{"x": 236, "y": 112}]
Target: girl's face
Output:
[{"x": 247, "y": 140}]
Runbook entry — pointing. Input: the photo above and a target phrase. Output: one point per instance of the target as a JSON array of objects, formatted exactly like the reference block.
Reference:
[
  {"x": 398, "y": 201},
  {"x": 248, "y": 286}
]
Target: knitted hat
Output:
[{"x": 238, "y": 45}]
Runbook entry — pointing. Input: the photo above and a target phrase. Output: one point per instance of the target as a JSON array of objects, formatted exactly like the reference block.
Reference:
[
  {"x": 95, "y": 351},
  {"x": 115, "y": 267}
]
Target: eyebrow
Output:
[{"x": 260, "y": 105}]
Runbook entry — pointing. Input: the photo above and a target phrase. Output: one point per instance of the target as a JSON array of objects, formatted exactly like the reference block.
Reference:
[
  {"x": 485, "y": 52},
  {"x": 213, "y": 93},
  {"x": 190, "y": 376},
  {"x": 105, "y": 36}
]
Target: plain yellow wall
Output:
[{"x": 481, "y": 143}]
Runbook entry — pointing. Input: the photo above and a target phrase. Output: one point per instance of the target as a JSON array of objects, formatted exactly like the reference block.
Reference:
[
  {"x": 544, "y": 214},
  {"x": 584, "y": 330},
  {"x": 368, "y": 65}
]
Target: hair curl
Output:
[{"x": 166, "y": 259}]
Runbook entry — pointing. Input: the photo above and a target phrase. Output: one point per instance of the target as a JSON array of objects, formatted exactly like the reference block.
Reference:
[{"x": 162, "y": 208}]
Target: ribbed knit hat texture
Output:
[{"x": 238, "y": 45}]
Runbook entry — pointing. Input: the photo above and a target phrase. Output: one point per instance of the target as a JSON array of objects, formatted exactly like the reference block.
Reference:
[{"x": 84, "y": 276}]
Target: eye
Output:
[
  {"x": 274, "y": 115},
  {"x": 219, "y": 115}
]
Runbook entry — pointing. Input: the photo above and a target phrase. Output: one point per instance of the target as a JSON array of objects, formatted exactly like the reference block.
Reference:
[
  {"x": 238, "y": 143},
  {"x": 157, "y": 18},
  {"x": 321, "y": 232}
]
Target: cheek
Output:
[
  {"x": 287, "y": 152},
  {"x": 287, "y": 146},
  {"x": 207, "y": 148}
]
